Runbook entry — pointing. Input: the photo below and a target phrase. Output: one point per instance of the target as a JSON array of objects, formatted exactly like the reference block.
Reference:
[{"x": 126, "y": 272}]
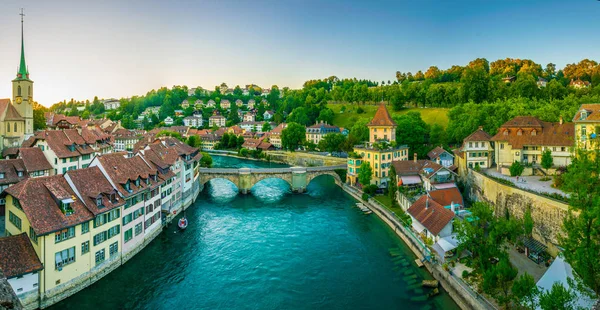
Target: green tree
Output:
[
  {"x": 516, "y": 169},
  {"x": 525, "y": 291},
  {"x": 240, "y": 141},
  {"x": 293, "y": 136},
  {"x": 476, "y": 84},
  {"x": 333, "y": 142},
  {"x": 528, "y": 221},
  {"x": 547, "y": 160},
  {"x": 558, "y": 298},
  {"x": 359, "y": 130},
  {"x": 412, "y": 131},
  {"x": 206, "y": 160},
  {"x": 498, "y": 280},
  {"x": 266, "y": 127},
  {"x": 581, "y": 237},
  {"x": 193, "y": 141},
  {"x": 39, "y": 121},
  {"x": 365, "y": 174},
  {"x": 326, "y": 115},
  {"x": 299, "y": 115},
  {"x": 392, "y": 186}
]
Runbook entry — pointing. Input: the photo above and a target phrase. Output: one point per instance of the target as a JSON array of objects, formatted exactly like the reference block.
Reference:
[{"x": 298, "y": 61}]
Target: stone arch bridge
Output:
[{"x": 245, "y": 178}]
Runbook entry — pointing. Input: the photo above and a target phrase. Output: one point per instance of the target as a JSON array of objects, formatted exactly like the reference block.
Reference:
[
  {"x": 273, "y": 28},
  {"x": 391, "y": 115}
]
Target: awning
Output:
[
  {"x": 410, "y": 180},
  {"x": 534, "y": 245},
  {"x": 444, "y": 185},
  {"x": 417, "y": 227},
  {"x": 444, "y": 245}
]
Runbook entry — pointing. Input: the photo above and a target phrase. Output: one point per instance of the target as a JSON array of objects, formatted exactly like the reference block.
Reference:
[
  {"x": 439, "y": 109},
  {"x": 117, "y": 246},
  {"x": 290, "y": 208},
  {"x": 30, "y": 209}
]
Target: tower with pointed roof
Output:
[
  {"x": 23, "y": 89},
  {"x": 378, "y": 152}
]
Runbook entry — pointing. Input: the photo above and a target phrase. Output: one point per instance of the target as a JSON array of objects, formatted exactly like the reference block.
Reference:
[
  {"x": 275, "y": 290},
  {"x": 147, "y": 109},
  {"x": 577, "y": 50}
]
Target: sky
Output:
[{"x": 114, "y": 49}]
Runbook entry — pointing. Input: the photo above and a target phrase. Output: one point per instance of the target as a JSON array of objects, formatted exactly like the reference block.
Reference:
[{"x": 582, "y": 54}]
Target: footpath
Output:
[{"x": 463, "y": 295}]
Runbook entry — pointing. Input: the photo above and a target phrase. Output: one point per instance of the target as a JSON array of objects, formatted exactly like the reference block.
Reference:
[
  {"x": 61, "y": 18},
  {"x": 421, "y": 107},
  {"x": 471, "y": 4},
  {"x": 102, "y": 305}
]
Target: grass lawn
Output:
[
  {"x": 429, "y": 115},
  {"x": 387, "y": 201}
]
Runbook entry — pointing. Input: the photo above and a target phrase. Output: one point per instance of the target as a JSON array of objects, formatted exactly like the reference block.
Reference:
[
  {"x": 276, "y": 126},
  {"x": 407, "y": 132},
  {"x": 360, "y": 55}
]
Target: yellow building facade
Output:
[
  {"x": 379, "y": 152},
  {"x": 587, "y": 126}
]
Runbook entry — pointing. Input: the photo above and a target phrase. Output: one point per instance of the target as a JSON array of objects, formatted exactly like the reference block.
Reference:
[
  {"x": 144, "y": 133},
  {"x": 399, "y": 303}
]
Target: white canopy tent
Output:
[
  {"x": 445, "y": 244},
  {"x": 560, "y": 271}
]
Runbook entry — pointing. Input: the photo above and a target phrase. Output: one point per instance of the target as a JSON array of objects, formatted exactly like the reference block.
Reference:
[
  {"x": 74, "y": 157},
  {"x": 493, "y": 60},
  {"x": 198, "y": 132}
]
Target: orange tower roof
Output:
[{"x": 382, "y": 117}]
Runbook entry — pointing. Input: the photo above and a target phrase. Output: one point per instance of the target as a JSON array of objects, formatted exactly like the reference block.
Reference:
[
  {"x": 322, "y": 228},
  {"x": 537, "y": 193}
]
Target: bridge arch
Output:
[
  {"x": 314, "y": 175},
  {"x": 231, "y": 178}
]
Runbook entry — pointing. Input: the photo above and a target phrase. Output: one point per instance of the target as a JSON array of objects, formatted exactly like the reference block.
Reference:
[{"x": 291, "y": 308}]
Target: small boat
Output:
[
  {"x": 183, "y": 223},
  {"x": 430, "y": 283}
]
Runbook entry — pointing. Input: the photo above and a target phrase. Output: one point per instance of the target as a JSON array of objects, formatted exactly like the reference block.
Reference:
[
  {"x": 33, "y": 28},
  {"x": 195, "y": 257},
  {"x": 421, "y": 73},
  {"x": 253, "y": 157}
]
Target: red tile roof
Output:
[
  {"x": 520, "y": 131},
  {"x": 593, "y": 113},
  {"x": 39, "y": 200},
  {"x": 122, "y": 170},
  {"x": 382, "y": 117},
  {"x": 17, "y": 256},
  {"x": 11, "y": 168},
  {"x": 92, "y": 184},
  {"x": 34, "y": 159},
  {"x": 431, "y": 214},
  {"x": 447, "y": 196},
  {"x": 478, "y": 135},
  {"x": 435, "y": 153}
]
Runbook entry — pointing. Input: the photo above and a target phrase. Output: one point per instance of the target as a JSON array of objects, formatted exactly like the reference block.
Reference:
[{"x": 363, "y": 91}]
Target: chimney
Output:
[
  {"x": 427, "y": 203},
  {"x": 452, "y": 207},
  {"x": 415, "y": 157},
  {"x": 561, "y": 120}
]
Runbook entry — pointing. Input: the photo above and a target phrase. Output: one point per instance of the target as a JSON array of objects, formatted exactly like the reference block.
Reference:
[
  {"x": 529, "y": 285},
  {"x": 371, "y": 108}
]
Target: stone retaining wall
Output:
[{"x": 548, "y": 214}]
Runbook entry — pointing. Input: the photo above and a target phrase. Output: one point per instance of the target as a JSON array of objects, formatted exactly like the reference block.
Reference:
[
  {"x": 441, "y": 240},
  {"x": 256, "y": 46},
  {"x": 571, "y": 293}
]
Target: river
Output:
[{"x": 270, "y": 249}]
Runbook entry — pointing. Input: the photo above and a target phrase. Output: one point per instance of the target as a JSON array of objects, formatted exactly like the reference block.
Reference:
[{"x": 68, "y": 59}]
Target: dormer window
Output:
[
  {"x": 99, "y": 202},
  {"x": 533, "y": 132},
  {"x": 148, "y": 181},
  {"x": 583, "y": 115},
  {"x": 20, "y": 173},
  {"x": 127, "y": 186},
  {"x": 2, "y": 175},
  {"x": 113, "y": 198},
  {"x": 506, "y": 132},
  {"x": 72, "y": 147},
  {"x": 137, "y": 182},
  {"x": 66, "y": 206},
  {"x": 520, "y": 132}
]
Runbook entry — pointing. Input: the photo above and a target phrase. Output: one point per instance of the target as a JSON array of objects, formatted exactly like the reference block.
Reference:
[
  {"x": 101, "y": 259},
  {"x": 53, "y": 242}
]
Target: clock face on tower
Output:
[{"x": 18, "y": 100}]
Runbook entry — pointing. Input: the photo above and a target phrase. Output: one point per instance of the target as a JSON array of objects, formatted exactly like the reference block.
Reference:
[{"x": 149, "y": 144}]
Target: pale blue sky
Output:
[{"x": 78, "y": 49}]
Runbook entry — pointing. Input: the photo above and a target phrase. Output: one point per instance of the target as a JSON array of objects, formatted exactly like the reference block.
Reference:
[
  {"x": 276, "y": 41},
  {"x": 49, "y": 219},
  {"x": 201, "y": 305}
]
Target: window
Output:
[
  {"x": 64, "y": 258},
  {"x": 128, "y": 235},
  {"x": 127, "y": 219},
  {"x": 15, "y": 220},
  {"x": 41, "y": 147},
  {"x": 501, "y": 146},
  {"x": 64, "y": 234},
  {"x": 106, "y": 217},
  {"x": 114, "y": 249},
  {"x": 476, "y": 144},
  {"x": 85, "y": 157},
  {"x": 19, "y": 90},
  {"x": 85, "y": 247},
  {"x": 99, "y": 202},
  {"x": 100, "y": 256},
  {"x": 20, "y": 173},
  {"x": 17, "y": 203},
  {"x": 2, "y": 175},
  {"x": 32, "y": 235},
  {"x": 64, "y": 160},
  {"x": 15, "y": 127},
  {"x": 138, "y": 229},
  {"x": 85, "y": 227}
]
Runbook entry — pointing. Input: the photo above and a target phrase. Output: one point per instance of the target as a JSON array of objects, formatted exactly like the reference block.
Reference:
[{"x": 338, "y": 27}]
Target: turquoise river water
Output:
[{"x": 270, "y": 249}]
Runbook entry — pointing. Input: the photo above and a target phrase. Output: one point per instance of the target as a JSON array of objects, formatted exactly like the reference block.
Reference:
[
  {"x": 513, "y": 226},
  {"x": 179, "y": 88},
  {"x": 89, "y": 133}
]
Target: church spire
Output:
[{"x": 23, "y": 72}]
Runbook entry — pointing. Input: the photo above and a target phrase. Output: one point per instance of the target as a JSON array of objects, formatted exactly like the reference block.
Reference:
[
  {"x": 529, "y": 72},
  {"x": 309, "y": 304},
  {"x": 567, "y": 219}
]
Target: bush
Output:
[
  {"x": 516, "y": 169},
  {"x": 465, "y": 274},
  {"x": 477, "y": 167},
  {"x": 370, "y": 189},
  {"x": 360, "y": 110},
  {"x": 243, "y": 152},
  {"x": 365, "y": 197}
]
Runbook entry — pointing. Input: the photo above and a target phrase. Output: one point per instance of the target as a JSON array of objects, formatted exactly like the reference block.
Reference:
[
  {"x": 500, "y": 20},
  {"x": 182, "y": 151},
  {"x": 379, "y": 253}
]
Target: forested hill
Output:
[{"x": 478, "y": 93}]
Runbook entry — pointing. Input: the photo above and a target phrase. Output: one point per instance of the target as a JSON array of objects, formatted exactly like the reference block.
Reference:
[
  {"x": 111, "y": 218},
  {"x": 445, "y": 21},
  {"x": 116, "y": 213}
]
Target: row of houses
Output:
[
  {"x": 73, "y": 228},
  {"x": 524, "y": 138}
]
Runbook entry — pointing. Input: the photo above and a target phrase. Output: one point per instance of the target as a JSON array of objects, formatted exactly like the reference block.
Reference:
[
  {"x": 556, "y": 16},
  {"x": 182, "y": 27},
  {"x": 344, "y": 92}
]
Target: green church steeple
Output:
[{"x": 23, "y": 73}]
